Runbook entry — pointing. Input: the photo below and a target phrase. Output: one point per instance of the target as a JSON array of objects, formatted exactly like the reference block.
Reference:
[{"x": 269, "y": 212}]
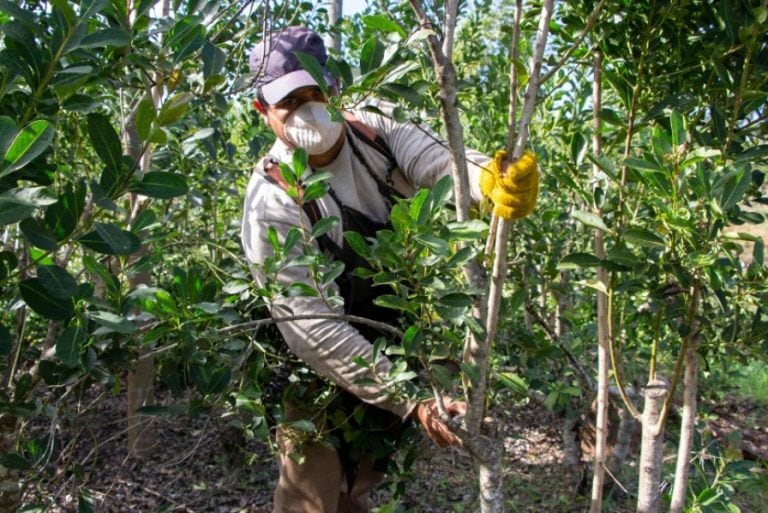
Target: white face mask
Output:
[{"x": 310, "y": 127}]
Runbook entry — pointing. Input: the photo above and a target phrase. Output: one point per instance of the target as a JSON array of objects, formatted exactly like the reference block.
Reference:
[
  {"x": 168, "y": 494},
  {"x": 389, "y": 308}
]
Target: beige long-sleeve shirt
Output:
[{"x": 331, "y": 346}]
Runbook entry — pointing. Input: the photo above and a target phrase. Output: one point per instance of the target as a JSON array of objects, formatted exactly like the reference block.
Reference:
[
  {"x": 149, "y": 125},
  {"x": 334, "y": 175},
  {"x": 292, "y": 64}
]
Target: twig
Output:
[{"x": 589, "y": 25}]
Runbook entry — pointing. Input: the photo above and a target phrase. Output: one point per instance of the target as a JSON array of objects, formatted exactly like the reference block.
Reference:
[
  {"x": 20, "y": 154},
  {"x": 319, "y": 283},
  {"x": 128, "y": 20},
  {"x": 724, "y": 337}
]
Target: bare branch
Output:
[{"x": 587, "y": 28}]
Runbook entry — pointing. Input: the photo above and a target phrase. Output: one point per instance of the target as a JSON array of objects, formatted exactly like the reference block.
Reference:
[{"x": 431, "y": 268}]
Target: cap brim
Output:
[{"x": 281, "y": 87}]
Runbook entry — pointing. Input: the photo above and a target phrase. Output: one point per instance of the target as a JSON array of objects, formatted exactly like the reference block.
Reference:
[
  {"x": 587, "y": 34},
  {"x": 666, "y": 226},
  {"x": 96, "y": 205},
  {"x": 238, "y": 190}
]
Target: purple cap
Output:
[{"x": 277, "y": 70}]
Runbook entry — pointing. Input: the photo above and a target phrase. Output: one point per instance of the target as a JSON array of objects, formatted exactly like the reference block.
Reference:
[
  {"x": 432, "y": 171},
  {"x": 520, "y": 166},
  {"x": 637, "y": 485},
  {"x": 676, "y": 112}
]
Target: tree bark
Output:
[
  {"x": 335, "y": 8},
  {"x": 651, "y": 452},
  {"x": 688, "y": 421},
  {"x": 603, "y": 320}
]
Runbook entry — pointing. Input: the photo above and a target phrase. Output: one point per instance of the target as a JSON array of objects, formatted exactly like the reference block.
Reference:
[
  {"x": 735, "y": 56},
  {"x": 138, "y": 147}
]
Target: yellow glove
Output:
[{"x": 514, "y": 191}]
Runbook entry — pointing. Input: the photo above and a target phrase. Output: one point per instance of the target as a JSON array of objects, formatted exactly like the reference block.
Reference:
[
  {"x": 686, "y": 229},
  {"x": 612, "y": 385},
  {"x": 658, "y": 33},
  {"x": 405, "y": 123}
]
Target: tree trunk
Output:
[
  {"x": 335, "y": 8},
  {"x": 140, "y": 390},
  {"x": 652, "y": 448},
  {"x": 603, "y": 321},
  {"x": 687, "y": 424}
]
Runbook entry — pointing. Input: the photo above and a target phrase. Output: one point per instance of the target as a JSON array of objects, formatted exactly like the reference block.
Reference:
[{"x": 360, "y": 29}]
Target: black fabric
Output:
[{"x": 358, "y": 293}]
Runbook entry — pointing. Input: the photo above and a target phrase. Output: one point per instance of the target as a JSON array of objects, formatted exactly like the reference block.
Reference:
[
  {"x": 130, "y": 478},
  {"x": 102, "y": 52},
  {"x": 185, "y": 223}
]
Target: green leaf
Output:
[
  {"x": 38, "y": 234},
  {"x": 358, "y": 244},
  {"x": 315, "y": 191},
  {"x": 186, "y": 37},
  {"x": 384, "y": 23},
  {"x": 8, "y": 262},
  {"x": 8, "y": 131},
  {"x": 436, "y": 244},
  {"x": 605, "y": 164},
  {"x": 456, "y": 299},
  {"x": 442, "y": 375},
  {"x": 590, "y": 220},
  {"x": 420, "y": 206},
  {"x": 84, "y": 503},
  {"x": 288, "y": 175},
  {"x": 62, "y": 217},
  {"x": 752, "y": 154},
  {"x": 105, "y": 37},
  {"x": 397, "y": 91},
  {"x": 644, "y": 237},
  {"x": 110, "y": 240},
  {"x": 305, "y": 426},
  {"x": 145, "y": 116},
  {"x": 26, "y": 145},
  {"x": 17, "y": 204},
  {"x": 468, "y": 230},
  {"x": 112, "y": 322},
  {"x": 314, "y": 68},
  {"x": 69, "y": 345},
  {"x": 371, "y": 55},
  {"x": 105, "y": 141},
  {"x": 90, "y": 7},
  {"x": 174, "y": 108},
  {"x": 578, "y": 261},
  {"x": 735, "y": 186},
  {"x": 337, "y": 268},
  {"x": 323, "y": 226},
  {"x": 37, "y": 297},
  {"x": 642, "y": 164},
  {"x": 677, "y": 127},
  {"x": 14, "y": 461},
  {"x": 161, "y": 185},
  {"x": 513, "y": 382},
  {"x": 461, "y": 257},
  {"x": 300, "y": 161},
  {"x": 213, "y": 60},
  {"x": 758, "y": 252},
  {"x": 391, "y": 301},
  {"x": 57, "y": 281}
]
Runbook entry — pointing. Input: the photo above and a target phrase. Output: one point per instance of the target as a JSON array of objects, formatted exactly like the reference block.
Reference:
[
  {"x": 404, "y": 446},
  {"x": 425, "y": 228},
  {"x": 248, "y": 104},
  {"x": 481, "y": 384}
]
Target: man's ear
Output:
[{"x": 260, "y": 107}]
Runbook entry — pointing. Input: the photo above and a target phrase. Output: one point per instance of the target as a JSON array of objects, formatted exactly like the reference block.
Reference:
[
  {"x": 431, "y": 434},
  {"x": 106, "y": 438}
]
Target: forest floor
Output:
[{"x": 192, "y": 468}]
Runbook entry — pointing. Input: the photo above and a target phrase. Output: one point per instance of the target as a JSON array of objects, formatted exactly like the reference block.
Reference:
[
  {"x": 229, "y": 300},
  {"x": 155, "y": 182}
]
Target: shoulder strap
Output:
[
  {"x": 369, "y": 136},
  {"x": 271, "y": 167}
]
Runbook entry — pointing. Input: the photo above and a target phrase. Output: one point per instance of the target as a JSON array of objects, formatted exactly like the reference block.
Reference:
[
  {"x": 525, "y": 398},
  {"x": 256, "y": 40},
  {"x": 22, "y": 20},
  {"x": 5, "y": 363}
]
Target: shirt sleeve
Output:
[
  {"x": 328, "y": 346},
  {"x": 423, "y": 157}
]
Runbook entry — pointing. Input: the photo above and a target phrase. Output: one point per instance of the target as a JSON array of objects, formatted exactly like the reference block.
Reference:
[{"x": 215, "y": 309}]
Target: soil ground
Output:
[
  {"x": 190, "y": 469},
  {"x": 193, "y": 468}
]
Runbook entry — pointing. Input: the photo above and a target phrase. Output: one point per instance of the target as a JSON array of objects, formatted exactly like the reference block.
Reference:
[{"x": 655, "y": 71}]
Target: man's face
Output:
[{"x": 277, "y": 114}]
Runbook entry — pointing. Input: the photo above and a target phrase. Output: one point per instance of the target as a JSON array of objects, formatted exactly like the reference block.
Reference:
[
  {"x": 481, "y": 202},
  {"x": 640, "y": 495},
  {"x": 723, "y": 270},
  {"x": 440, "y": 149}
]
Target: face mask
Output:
[{"x": 310, "y": 127}]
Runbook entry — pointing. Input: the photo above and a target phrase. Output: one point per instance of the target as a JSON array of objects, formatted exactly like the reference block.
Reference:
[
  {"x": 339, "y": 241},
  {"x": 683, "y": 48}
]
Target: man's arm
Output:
[
  {"x": 328, "y": 346},
  {"x": 422, "y": 156}
]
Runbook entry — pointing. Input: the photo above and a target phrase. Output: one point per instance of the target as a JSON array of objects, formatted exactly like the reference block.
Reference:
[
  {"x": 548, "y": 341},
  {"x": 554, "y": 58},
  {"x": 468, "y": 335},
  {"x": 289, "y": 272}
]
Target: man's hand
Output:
[
  {"x": 513, "y": 188},
  {"x": 428, "y": 416}
]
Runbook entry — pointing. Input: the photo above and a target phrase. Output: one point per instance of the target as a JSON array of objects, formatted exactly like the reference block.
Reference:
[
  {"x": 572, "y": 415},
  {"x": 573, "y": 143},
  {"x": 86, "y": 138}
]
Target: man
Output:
[{"x": 370, "y": 159}]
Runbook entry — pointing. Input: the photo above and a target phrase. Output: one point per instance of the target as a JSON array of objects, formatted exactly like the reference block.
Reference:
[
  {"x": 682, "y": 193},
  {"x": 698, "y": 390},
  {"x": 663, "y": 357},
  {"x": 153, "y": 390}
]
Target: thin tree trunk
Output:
[
  {"x": 485, "y": 450},
  {"x": 335, "y": 8},
  {"x": 652, "y": 448},
  {"x": 627, "y": 426},
  {"x": 140, "y": 384},
  {"x": 688, "y": 421},
  {"x": 688, "y": 424},
  {"x": 603, "y": 321}
]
